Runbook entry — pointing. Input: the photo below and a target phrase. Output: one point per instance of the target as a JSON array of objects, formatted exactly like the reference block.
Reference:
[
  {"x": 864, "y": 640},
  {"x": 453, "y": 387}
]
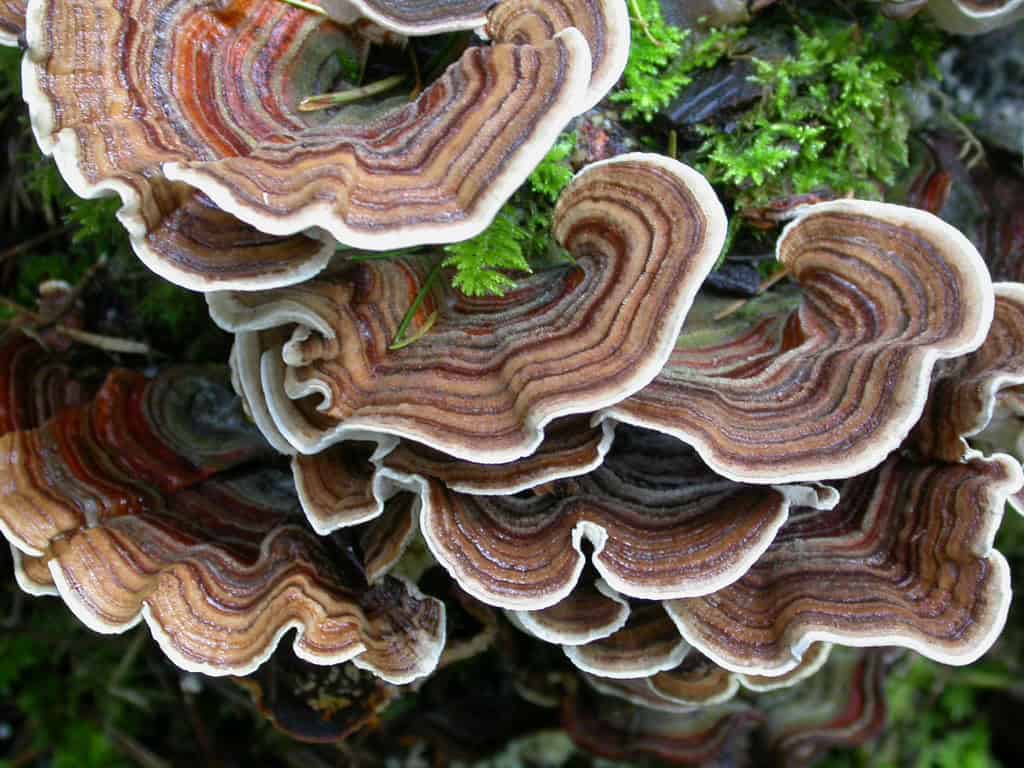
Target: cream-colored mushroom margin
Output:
[
  {"x": 964, "y": 17},
  {"x": 589, "y": 613},
  {"x": 906, "y": 400},
  {"x": 648, "y": 644}
]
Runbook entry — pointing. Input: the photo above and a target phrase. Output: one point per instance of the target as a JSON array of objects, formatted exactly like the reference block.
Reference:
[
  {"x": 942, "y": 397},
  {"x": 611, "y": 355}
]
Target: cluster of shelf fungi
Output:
[{"x": 723, "y": 523}]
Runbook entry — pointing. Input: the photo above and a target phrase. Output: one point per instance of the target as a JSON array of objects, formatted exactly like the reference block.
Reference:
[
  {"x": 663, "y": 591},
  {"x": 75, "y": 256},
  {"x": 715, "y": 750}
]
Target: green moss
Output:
[
  {"x": 833, "y": 115},
  {"x": 663, "y": 60},
  {"x": 520, "y": 235}
]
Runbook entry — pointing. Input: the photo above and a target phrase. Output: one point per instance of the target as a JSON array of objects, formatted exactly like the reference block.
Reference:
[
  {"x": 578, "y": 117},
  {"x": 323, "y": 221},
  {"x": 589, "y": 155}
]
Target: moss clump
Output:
[
  {"x": 833, "y": 115},
  {"x": 520, "y": 235},
  {"x": 663, "y": 59}
]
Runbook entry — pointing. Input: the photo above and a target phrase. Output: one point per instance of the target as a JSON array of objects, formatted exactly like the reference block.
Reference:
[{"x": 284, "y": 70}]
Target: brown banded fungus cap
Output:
[
  {"x": 601, "y": 22},
  {"x": 348, "y": 483},
  {"x": 648, "y": 643},
  {"x": 592, "y": 611},
  {"x": 830, "y": 390},
  {"x": 12, "y": 21},
  {"x": 699, "y": 682},
  {"x": 190, "y": 114},
  {"x": 904, "y": 559},
  {"x": 842, "y": 705},
  {"x": 154, "y": 503},
  {"x": 660, "y": 522},
  {"x": 644, "y": 231},
  {"x": 966, "y": 391}
]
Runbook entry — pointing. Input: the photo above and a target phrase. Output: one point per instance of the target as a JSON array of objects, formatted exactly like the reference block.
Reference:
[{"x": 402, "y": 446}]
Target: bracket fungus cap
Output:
[
  {"x": 905, "y": 559},
  {"x": 887, "y": 291},
  {"x": 155, "y": 503},
  {"x": 226, "y": 184},
  {"x": 644, "y": 229}
]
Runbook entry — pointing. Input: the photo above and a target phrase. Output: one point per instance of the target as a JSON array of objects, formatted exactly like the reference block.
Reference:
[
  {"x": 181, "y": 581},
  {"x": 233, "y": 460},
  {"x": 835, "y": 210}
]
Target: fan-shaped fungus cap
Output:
[
  {"x": 904, "y": 559},
  {"x": 699, "y": 682},
  {"x": 491, "y": 373},
  {"x": 12, "y": 21},
  {"x": 965, "y": 390},
  {"x": 887, "y": 291},
  {"x": 141, "y": 508},
  {"x": 648, "y": 643},
  {"x": 592, "y": 611},
  {"x": 975, "y": 17},
  {"x": 843, "y": 705},
  {"x": 661, "y": 524},
  {"x": 620, "y": 730},
  {"x": 190, "y": 114},
  {"x": 571, "y": 447}
]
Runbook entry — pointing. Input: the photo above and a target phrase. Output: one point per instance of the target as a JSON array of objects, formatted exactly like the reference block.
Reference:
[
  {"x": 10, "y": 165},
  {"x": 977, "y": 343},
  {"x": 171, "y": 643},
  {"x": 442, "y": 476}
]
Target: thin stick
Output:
[
  {"x": 643, "y": 22},
  {"x": 399, "y": 342},
  {"x": 383, "y": 255},
  {"x": 416, "y": 71},
  {"x": 764, "y": 286},
  {"x": 311, "y": 7},
  {"x": 33, "y": 242},
  {"x": 106, "y": 343},
  {"x": 328, "y": 100}
]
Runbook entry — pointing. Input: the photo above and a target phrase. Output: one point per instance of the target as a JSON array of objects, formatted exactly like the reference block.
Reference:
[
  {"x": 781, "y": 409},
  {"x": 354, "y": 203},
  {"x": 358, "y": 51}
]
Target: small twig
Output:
[
  {"x": 971, "y": 142},
  {"x": 106, "y": 343},
  {"x": 328, "y": 100},
  {"x": 97, "y": 340},
  {"x": 764, "y": 286},
  {"x": 416, "y": 72},
  {"x": 673, "y": 144},
  {"x": 399, "y": 342},
  {"x": 136, "y": 751},
  {"x": 639, "y": 19},
  {"x": 20, "y": 248},
  {"x": 311, "y": 7}
]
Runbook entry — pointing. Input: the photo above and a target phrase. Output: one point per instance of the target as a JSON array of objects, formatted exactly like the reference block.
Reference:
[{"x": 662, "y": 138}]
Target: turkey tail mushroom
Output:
[
  {"x": 155, "y": 503},
  {"x": 227, "y": 183},
  {"x": 644, "y": 230},
  {"x": 836, "y": 386},
  {"x": 904, "y": 559}
]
